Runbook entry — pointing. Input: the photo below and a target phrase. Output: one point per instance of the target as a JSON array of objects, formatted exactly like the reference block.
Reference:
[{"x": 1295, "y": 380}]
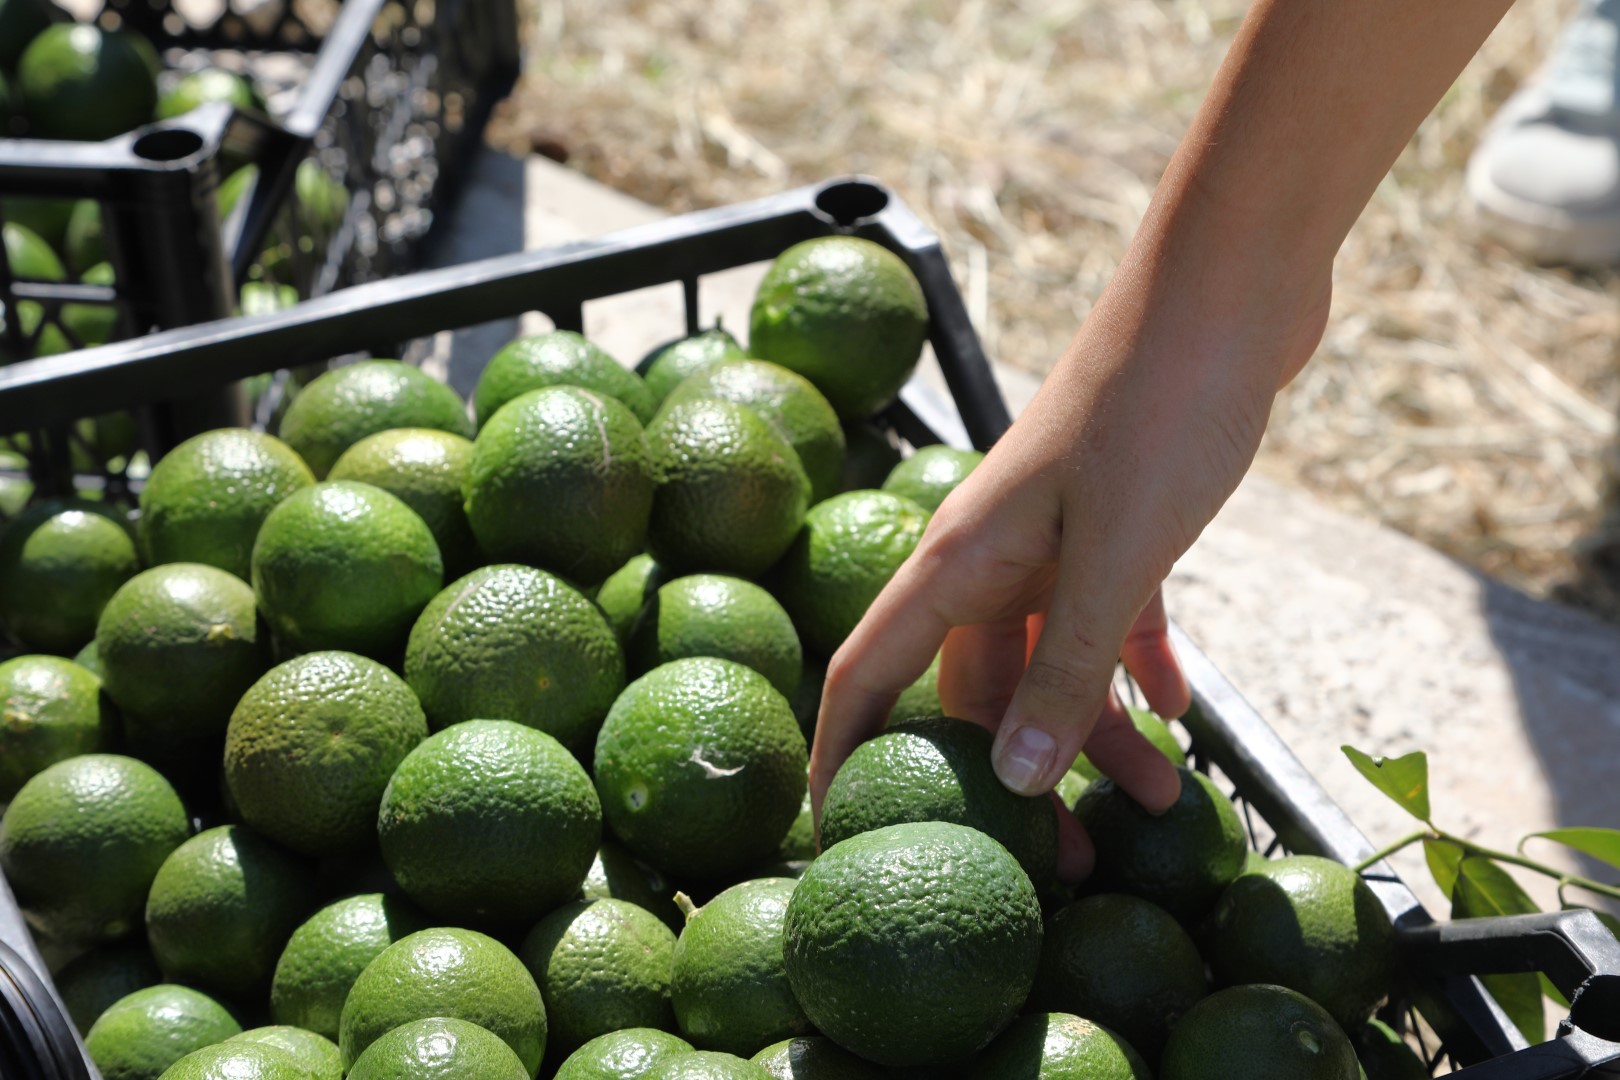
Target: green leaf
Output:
[
  {"x": 1485, "y": 889},
  {"x": 1404, "y": 779},
  {"x": 1444, "y": 859},
  {"x": 1601, "y": 844}
]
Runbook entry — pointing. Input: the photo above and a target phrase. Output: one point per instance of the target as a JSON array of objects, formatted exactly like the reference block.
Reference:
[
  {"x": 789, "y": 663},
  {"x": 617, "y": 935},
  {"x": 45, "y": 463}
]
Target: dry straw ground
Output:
[{"x": 1458, "y": 395}]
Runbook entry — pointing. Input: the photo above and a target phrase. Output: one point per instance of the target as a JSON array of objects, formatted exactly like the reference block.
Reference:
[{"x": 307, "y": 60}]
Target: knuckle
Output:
[{"x": 1054, "y": 680}]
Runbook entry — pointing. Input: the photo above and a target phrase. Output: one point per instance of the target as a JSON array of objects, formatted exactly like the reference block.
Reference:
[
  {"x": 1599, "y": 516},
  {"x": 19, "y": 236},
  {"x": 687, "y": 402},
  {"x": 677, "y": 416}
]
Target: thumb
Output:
[{"x": 1066, "y": 688}]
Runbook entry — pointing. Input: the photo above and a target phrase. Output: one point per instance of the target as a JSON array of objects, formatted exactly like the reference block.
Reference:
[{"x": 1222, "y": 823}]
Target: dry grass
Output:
[{"x": 1458, "y": 395}]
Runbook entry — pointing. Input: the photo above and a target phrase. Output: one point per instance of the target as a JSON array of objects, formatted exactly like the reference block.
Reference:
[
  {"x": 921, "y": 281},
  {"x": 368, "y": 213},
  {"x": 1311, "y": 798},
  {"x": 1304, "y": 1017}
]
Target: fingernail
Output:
[{"x": 1023, "y": 759}]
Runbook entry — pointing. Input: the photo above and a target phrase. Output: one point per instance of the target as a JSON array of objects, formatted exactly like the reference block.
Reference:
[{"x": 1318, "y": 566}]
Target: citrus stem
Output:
[
  {"x": 1468, "y": 847},
  {"x": 1385, "y": 852},
  {"x": 684, "y": 902}
]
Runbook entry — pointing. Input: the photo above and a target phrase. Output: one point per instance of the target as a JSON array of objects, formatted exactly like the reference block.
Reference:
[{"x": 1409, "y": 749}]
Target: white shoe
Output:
[{"x": 1546, "y": 176}]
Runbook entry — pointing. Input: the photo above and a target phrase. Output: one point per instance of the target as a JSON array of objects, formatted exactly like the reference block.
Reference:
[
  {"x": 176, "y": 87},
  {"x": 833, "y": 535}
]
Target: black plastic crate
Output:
[
  {"x": 376, "y": 106},
  {"x": 1284, "y": 807}
]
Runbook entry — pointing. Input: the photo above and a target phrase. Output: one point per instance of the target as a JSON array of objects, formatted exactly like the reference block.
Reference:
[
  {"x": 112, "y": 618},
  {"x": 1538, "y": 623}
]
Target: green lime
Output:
[
  {"x": 850, "y": 547},
  {"x": 921, "y": 698},
  {"x": 800, "y": 842},
  {"x": 932, "y": 473},
  {"x": 142, "y": 1034},
  {"x": 627, "y": 590},
  {"x": 21, "y": 21},
  {"x": 561, "y": 478},
  {"x": 707, "y": 1065},
  {"x": 814, "y": 1057},
  {"x": 314, "y": 1052},
  {"x": 439, "y": 1048},
  {"x": 96, "y": 324},
  {"x": 731, "y": 493},
  {"x": 787, "y": 401},
  {"x": 222, "y": 907},
  {"x": 15, "y": 487},
  {"x": 209, "y": 84},
  {"x": 446, "y": 972},
  {"x": 322, "y": 202},
  {"x": 1384, "y": 1055},
  {"x": 491, "y": 821},
  {"x": 1309, "y": 924},
  {"x": 346, "y": 404},
  {"x": 557, "y": 358},
  {"x": 90, "y": 982},
  {"x": 31, "y": 258},
  {"x": 1260, "y": 1032},
  {"x": 82, "y": 841},
  {"x": 601, "y": 965},
  {"x": 426, "y": 470},
  {"x": 1181, "y": 859},
  {"x": 83, "y": 244},
  {"x": 518, "y": 643},
  {"x": 179, "y": 644},
  {"x": 1155, "y": 730},
  {"x": 312, "y": 745},
  {"x": 206, "y": 498},
  {"x": 714, "y": 615},
  {"x": 344, "y": 565},
  {"x": 938, "y": 769},
  {"x": 1124, "y": 963},
  {"x": 1070, "y": 786},
  {"x": 616, "y": 875},
  {"x": 60, "y": 562},
  {"x": 846, "y": 314},
  {"x": 1059, "y": 1046},
  {"x": 913, "y": 944},
  {"x": 51, "y": 709},
  {"x": 668, "y": 365},
  {"x": 231, "y": 1060},
  {"x": 78, "y": 81},
  {"x": 631, "y": 1054},
  {"x": 328, "y": 952},
  {"x": 730, "y": 987},
  {"x": 700, "y": 767}
]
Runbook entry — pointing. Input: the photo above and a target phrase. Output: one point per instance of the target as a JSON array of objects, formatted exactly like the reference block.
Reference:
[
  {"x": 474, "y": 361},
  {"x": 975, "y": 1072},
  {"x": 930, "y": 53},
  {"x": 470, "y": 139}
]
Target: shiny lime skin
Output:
[
  {"x": 427, "y": 470},
  {"x": 601, "y": 965},
  {"x": 312, "y": 745},
  {"x": 849, "y": 548},
  {"x": 314, "y": 1052},
  {"x": 142, "y": 1034},
  {"x": 1258, "y": 1032},
  {"x": 1059, "y": 1046},
  {"x": 932, "y": 473},
  {"x": 938, "y": 769},
  {"x": 344, "y": 565},
  {"x": 209, "y": 84},
  {"x": 439, "y": 1048},
  {"x": 557, "y": 358},
  {"x": 328, "y": 952},
  {"x": 627, "y": 590},
  {"x": 92, "y": 981},
  {"x": 233, "y": 1060},
  {"x": 846, "y": 314},
  {"x": 814, "y": 1057},
  {"x": 78, "y": 81},
  {"x": 221, "y": 909},
  {"x": 446, "y": 972},
  {"x": 490, "y": 821},
  {"x": 51, "y": 709},
  {"x": 701, "y": 767},
  {"x": 1309, "y": 924},
  {"x": 82, "y": 841},
  {"x": 60, "y": 562},
  {"x": 730, "y": 988},
  {"x": 717, "y": 615},
  {"x": 731, "y": 491},
  {"x": 707, "y": 1065},
  {"x": 631, "y": 1054},
  {"x": 520, "y": 644},
  {"x": 206, "y": 498},
  {"x": 913, "y": 944},
  {"x": 178, "y": 645},
  {"x": 348, "y": 403},
  {"x": 1181, "y": 859},
  {"x": 561, "y": 478},
  {"x": 787, "y": 401},
  {"x": 1124, "y": 963},
  {"x": 667, "y": 366}
]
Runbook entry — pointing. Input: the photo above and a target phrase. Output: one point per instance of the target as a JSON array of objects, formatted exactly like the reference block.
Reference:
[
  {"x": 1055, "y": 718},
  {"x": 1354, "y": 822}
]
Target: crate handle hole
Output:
[
  {"x": 849, "y": 202},
  {"x": 1596, "y": 1009},
  {"x": 170, "y": 145}
]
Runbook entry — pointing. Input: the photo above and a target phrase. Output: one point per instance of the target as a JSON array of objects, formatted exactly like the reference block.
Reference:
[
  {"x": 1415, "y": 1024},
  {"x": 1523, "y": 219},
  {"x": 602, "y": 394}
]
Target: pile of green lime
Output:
[{"x": 447, "y": 750}]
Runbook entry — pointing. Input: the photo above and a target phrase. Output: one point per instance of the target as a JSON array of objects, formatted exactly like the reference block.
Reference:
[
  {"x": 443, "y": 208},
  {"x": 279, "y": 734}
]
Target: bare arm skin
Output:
[{"x": 1149, "y": 421}]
